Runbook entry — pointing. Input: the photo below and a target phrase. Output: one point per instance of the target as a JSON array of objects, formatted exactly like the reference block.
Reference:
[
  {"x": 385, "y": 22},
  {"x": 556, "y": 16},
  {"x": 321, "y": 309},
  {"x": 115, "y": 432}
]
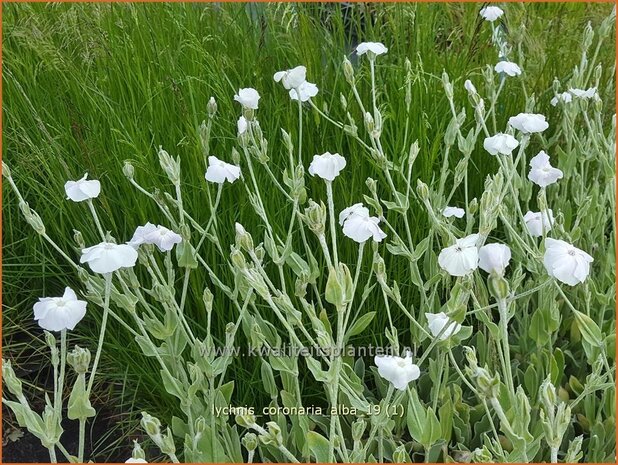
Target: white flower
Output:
[
  {"x": 502, "y": 144},
  {"x": 242, "y": 125},
  {"x": 306, "y": 90},
  {"x": 82, "y": 189},
  {"x": 469, "y": 87},
  {"x": 585, "y": 94},
  {"x": 462, "y": 258},
  {"x": 163, "y": 238},
  {"x": 453, "y": 211},
  {"x": 528, "y": 122},
  {"x": 541, "y": 171},
  {"x": 508, "y": 67},
  {"x": 58, "y": 313},
  {"x": 132, "y": 460},
  {"x": 327, "y": 166},
  {"x": 491, "y": 13},
  {"x": 564, "y": 97},
  {"x": 140, "y": 234},
  {"x": 565, "y": 262},
  {"x": 359, "y": 226},
  {"x": 494, "y": 258},
  {"x": 292, "y": 78},
  {"x": 356, "y": 209},
  {"x": 438, "y": 321},
  {"x": 399, "y": 371},
  {"x": 107, "y": 257},
  {"x": 537, "y": 221},
  {"x": 373, "y": 49},
  {"x": 248, "y": 98},
  {"x": 219, "y": 171}
]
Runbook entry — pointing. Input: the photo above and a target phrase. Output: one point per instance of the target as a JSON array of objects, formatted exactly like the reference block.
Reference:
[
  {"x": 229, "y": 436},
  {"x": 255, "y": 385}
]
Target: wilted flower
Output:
[
  {"x": 453, "y": 211},
  {"x": 82, "y": 189},
  {"x": 399, "y": 371},
  {"x": 461, "y": 258},
  {"x": 219, "y": 171},
  {"x": 242, "y": 125},
  {"x": 292, "y": 78},
  {"x": 508, "y": 67},
  {"x": 327, "y": 166},
  {"x": 359, "y": 226},
  {"x": 503, "y": 144},
  {"x": 438, "y": 321},
  {"x": 139, "y": 236},
  {"x": 248, "y": 98},
  {"x": 59, "y": 313},
  {"x": 306, "y": 90},
  {"x": 372, "y": 49},
  {"x": 494, "y": 258},
  {"x": 536, "y": 222},
  {"x": 585, "y": 94},
  {"x": 541, "y": 171},
  {"x": 528, "y": 122},
  {"x": 564, "y": 97},
  {"x": 107, "y": 257},
  {"x": 565, "y": 262},
  {"x": 491, "y": 13}
]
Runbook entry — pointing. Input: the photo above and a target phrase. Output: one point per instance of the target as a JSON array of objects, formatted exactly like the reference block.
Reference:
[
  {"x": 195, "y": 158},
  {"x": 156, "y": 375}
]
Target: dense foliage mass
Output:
[{"x": 382, "y": 263}]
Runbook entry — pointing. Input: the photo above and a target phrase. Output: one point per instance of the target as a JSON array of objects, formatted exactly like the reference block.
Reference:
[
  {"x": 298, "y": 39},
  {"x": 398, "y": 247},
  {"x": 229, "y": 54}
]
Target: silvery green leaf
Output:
[{"x": 79, "y": 407}]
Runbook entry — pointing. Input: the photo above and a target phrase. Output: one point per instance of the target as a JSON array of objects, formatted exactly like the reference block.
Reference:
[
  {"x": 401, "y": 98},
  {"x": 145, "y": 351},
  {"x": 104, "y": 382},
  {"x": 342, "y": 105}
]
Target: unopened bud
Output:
[
  {"x": 128, "y": 169},
  {"x": 211, "y": 107}
]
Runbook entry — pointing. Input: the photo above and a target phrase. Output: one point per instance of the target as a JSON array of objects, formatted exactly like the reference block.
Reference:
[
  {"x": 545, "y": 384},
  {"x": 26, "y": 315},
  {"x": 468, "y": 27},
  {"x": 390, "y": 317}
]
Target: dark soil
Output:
[
  {"x": 105, "y": 441},
  {"x": 28, "y": 447}
]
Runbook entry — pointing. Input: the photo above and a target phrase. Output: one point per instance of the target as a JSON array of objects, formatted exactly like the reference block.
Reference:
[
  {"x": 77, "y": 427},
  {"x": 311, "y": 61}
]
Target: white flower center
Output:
[
  {"x": 458, "y": 249},
  {"x": 571, "y": 252},
  {"x": 108, "y": 246}
]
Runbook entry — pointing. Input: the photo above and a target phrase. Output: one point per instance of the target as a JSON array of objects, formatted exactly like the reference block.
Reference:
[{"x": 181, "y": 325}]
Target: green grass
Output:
[{"x": 89, "y": 86}]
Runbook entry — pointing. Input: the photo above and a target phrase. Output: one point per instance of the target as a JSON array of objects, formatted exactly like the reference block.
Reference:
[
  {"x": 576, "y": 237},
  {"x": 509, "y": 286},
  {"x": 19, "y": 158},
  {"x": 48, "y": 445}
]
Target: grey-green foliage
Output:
[{"x": 275, "y": 281}]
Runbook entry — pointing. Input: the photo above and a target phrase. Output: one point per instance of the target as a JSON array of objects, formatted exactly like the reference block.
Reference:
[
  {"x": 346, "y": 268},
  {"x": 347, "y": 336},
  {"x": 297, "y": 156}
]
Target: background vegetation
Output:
[{"x": 88, "y": 86}]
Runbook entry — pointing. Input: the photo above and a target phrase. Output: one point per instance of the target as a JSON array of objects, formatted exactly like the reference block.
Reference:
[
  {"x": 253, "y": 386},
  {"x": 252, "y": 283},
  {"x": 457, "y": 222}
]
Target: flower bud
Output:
[
  {"x": 79, "y": 360},
  {"x": 207, "y": 297},
  {"x": 170, "y": 166},
  {"x": 344, "y": 101},
  {"x": 315, "y": 217},
  {"x": 399, "y": 455},
  {"x": 498, "y": 286},
  {"x": 138, "y": 452},
  {"x": 211, "y": 107},
  {"x": 11, "y": 381},
  {"x": 6, "y": 172},
  {"x": 358, "y": 429},
  {"x": 422, "y": 190},
  {"x": 152, "y": 426},
  {"x": 246, "y": 420},
  {"x": 250, "y": 441},
  {"x": 238, "y": 259},
  {"x": 243, "y": 239},
  {"x": 32, "y": 218},
  {"x": 348, "y": 71},
  {"x": 369, "y": 123},
  {"x": 128, "y": 170}
]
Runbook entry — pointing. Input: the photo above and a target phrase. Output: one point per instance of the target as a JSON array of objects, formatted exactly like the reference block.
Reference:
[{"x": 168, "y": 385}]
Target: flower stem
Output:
[
  {"x": 504, "y": 321},
  {"x": 108, "y": 282},
  {"x": 331, "y": 211},
  {"x": 97, "y": 222}
]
